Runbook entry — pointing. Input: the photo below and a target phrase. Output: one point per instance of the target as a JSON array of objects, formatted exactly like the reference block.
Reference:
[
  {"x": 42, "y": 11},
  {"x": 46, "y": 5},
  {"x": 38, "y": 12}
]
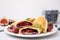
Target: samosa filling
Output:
[
  {"x": 29, "y": 31},
  {"x": 24, "y": 23}
]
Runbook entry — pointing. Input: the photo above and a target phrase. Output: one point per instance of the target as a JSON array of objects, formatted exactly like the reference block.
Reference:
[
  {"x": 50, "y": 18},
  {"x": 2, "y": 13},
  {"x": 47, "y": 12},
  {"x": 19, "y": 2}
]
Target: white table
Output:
[{"x": 4, "y": 36}]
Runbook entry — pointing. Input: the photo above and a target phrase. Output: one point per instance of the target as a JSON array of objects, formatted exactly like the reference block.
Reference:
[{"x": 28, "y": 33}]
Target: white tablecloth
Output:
[{"x": 4, "y": 36}]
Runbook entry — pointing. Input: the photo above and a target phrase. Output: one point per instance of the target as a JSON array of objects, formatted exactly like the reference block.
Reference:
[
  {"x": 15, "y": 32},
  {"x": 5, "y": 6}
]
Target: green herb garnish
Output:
[
  {"x": 38, "y": 26},
  {"x": 28, "y": 19}
]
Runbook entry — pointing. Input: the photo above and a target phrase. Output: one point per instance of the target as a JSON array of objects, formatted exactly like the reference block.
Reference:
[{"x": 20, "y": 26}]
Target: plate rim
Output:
[{"x": 54, "y": 30}]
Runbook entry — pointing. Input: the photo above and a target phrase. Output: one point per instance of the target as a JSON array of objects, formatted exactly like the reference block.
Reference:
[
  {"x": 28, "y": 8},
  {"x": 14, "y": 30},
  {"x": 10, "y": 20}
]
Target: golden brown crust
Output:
[
  {"x": 14, "y": 24},
  {"x": 41, "y": 21}
]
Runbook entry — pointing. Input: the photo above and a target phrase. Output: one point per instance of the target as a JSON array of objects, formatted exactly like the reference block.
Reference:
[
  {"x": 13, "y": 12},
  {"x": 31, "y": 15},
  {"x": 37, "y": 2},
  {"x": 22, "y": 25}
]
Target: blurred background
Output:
[{"x": 26, "y": 8}]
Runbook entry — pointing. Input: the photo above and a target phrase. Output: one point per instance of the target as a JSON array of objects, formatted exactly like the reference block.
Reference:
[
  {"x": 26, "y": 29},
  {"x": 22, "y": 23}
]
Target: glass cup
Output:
[{"x": 51, "y": 15}]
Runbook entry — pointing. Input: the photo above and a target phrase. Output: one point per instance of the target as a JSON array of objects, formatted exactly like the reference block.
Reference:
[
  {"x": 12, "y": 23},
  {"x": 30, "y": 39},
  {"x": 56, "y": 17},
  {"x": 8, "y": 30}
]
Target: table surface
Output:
[{"x": 4, "y": 36}]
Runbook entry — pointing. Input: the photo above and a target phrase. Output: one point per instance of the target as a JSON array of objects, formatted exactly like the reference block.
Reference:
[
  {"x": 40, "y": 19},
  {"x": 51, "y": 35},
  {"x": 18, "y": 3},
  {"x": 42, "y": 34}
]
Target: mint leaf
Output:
[
  {"x": 38, "y": 26},
  {"x": 28, "y": 19}
]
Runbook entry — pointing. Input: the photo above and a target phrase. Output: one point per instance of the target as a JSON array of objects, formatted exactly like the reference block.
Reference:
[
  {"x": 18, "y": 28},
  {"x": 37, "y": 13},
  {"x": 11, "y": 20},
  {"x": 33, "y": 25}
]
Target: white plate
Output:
[{"x": 37, "y": 35}]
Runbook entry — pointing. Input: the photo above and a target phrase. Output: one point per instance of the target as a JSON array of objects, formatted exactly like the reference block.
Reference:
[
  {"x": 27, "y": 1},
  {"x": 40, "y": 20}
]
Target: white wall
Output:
[{"x": 26, "y": 8}]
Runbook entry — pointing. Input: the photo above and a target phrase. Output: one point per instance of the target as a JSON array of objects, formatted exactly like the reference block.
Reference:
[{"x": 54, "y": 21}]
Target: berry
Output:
[
  {"x": 50, "y": 25},
  {"x": 49, "y": 29}
]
